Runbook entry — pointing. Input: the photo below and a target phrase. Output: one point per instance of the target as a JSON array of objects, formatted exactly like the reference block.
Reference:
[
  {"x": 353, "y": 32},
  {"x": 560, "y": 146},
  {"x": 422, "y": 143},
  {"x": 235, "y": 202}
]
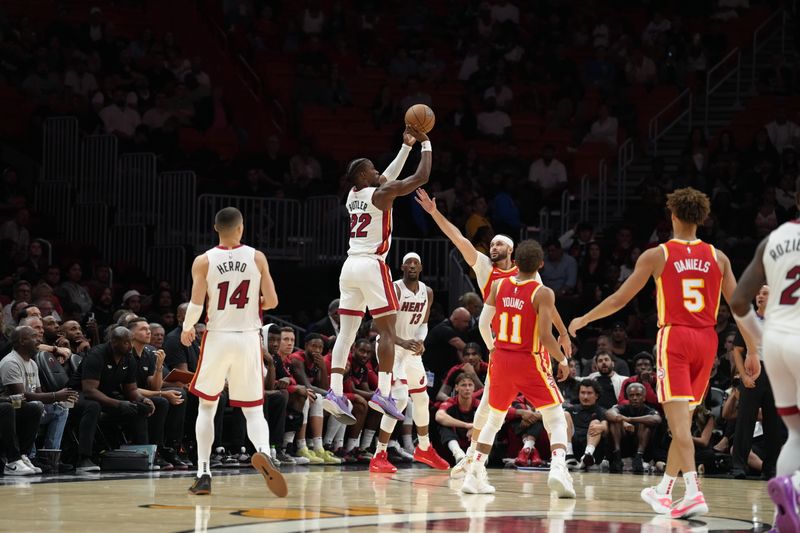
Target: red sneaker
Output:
[
  {"x": 535, "y": 459},
  {"x": 381, "y": 465},
  {"x": 523, "y": 458},
  {"x": 430, "y": 458}
]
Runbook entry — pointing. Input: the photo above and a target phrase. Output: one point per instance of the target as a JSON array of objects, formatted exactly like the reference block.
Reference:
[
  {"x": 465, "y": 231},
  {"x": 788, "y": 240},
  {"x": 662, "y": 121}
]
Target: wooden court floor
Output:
[{"x": 332, "y": 499}]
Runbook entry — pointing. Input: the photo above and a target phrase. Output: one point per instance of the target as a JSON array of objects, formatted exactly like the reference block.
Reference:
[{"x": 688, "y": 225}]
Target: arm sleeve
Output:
[
  {"x": 393, "y": 170},
  {"x": 485, "y": 325}
]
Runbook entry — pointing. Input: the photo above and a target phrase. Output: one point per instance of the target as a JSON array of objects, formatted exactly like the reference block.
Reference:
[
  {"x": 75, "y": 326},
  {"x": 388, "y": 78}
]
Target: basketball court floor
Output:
[{"x": 336, "y": 499}]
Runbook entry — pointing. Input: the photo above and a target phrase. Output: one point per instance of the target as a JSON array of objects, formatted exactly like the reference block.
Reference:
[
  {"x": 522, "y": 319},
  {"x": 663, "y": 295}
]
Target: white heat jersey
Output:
[
  {"x": 782, "y": 268},
  {"x": 370, "y": 228},
  {"x": 234, "y": 289},
  {"x": 413, "y": 307}
]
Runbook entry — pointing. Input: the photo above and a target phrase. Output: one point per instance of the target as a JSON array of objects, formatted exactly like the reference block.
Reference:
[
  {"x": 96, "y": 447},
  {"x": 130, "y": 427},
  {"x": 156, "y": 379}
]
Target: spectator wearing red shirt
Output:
[
  {"x": 362, "y": 380},
  {"x": 643, "y": 365},
  {"x": 473, "y": 365},
  {"x": 299, "y": 398},
  {"x": 455, "y": 417}
]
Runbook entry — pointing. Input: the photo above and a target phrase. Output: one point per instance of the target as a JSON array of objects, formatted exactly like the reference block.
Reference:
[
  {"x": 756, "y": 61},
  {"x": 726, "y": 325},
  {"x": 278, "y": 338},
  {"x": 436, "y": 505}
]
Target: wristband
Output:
[
  {"x": 426, "y": 146},
  {"x": 564, "y": 362}
]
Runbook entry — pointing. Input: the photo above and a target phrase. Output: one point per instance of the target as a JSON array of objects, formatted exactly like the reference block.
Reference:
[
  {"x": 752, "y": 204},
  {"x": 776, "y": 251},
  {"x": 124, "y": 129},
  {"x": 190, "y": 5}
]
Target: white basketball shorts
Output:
[
  {"x": 366, "y": 283},
  {"x": 235, "y": 357},
  {"x": 782, "y": 363}
]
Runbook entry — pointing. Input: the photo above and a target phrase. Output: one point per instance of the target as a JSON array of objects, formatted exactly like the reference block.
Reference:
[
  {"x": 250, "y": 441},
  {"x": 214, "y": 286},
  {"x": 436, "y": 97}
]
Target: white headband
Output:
[
  {"x": 503, "y": 239},
  {"x": 411, "y": 255}
]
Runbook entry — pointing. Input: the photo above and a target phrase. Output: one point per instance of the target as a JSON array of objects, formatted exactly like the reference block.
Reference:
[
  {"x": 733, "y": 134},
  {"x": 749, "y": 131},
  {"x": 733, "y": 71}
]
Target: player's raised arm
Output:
[
  {"x": 386, "y": 193},
  {"x": 268, "y": 294},
  {"x": 468, "y": 251},
  {"x": 648, "y": 263},
  {"x": 393, "y": 170},
  {"x": 199, "y": 292},
  {"x": 739, "y": 297}
]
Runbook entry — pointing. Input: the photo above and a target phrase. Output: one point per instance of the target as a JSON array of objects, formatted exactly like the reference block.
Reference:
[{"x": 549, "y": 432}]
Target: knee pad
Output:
[
  {"x": 315, "y": 407},
  {"x": 306, "y": 407},
  {"x": 556, "y": 424},
  {"x": 420, "y": 414},
  {"x": 482, "y": 412},
  {"x": 494, "y": 421}
]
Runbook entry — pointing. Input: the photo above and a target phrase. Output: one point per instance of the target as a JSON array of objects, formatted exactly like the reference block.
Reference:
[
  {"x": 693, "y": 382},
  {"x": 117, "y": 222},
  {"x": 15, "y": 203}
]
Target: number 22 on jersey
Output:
[{"x": 516, "y": 328}]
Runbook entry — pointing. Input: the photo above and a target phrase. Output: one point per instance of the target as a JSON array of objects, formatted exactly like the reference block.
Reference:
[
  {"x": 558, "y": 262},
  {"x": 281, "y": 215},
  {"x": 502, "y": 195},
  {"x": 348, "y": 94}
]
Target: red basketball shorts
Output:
[
  {"x": 684, "y": 359},
  {"x": 511, "y": 373}
]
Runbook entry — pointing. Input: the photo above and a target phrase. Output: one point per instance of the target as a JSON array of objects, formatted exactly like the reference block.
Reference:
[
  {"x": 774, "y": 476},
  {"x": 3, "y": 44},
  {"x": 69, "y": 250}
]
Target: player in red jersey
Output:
[
  {"x": 521, "y": 310},
  {"x": 689, "y": 276}
]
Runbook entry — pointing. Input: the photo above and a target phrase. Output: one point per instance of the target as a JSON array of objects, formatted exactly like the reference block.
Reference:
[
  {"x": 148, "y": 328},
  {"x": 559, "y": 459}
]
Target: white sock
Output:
[
  {"x": 337, "y": 383},
  {"x": 288, "y": 438},
  {"x": 385, "y": 382},
  {"x": 472, "y": 449},
  {"x": 529, "y": 444},
  {"x": 301, "y": 445},
  {"x": 408, "y": 443},
  {"x": 569, "y": 448},
  {"x": 257, "y": 428},
  {"x": 366, "y": 438},
  {"x": 455, "y": 449},
  {"x": 338, "y": 443},
  {"x": 380, "y": 447},
  {"x": 331, "y": 431},
  {"x": 481, "y": 457},
  {"x": 424, "y": 442},
  {"x": 317, "y": 443},
  {"x": 589, "y": 449},
  {"x": 204, "y": 429},
  {"x": 559, "y": 456},
  {"x": 665, "y": 486},
  {"x": 692, "y": 484},
  {"x": 351, "y": 444}
]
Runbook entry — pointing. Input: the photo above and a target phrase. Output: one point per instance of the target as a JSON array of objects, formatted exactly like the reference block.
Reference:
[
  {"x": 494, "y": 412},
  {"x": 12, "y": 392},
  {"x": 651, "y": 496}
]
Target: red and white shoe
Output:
[
  {"x": 536, "y": 460},
  {"x": 523, "y": 458},
  {"x": 380, "y": 464},
  {"x": 430, "y": 458},
  {"x": 660, "y": 503},
  {"x": 688, "y": 507}
]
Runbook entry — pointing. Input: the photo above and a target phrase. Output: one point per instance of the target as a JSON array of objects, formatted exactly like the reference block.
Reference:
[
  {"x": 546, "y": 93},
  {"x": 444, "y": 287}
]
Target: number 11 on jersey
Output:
[{"x": 516, "y": 328}]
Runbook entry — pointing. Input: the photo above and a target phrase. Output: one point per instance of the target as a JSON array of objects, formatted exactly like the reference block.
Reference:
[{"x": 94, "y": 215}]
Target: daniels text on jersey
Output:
[
  {"x": 231, "y": 266},
  {"x": 692, "y": 264},
  {"x": 784, "y": 247},
  {"x": 357, "y": 205},
  {"x": 516, "y": 303},
  {"x": 413, "y": 307}
]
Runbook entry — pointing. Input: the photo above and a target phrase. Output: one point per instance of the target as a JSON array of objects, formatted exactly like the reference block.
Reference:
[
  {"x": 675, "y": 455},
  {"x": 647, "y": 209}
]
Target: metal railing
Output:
[
  {"x": 625, "y": 155},
  {"x": 761, "y": 35},
  {"x": 734, "y": 57},
  {"x": 91, "y": 224},
  {"x": 458, "y": 282},
  {"x": 566, "y": 211},
  {"x": 169, "y": 263},
  {"x": 594, "y": 188},
  {"x": 54, "y": 198},
  {"x": 98, "y": 168},
  {"x": 134, "y": 189},
  {"x": 60, "y": 148},
  {"x": 326, "y": 229},
  {"x": 602, "y": 193},
  {"x": 176, "y": 201},
  {"x": 126, "y": 243},
  {"x": 656, "y": 129},
  {"x": 434, "y": 258}
]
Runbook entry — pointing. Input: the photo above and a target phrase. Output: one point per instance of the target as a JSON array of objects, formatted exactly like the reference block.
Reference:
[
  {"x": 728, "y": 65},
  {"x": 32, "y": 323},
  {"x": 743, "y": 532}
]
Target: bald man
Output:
[{"x": 445, "y": 343}]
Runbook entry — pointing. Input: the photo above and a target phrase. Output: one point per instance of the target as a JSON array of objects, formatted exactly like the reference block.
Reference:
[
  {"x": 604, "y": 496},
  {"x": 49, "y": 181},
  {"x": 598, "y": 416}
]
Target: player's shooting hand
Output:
[
  {"x": 408, "y": 137},
  {"x": 427, "y": 203},
  {"x": 576, "y": 324},
  {"x": 752, "y": 365},
  {"x": 187, "y": 337},
  {"x": 418, "y": 135}
]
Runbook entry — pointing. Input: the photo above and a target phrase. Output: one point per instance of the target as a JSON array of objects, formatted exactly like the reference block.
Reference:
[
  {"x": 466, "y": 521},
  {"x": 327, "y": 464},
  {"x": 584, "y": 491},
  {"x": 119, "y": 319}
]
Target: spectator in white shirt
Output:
[
  {"x": 604, "y": 129},
  {"x": 782, "y": 132},
  {"x": 655, "y": 28},
  {"x": 492, "y": 122},
  {"x": 156, "y": 116},
  {"x": 548, "y": 173},
  {"x": 502, "y": 94},
  {"x": 640, "y": 69},
  {"x": 505, "y": 11},
  {"x": 79, "y": 80},
  {"x": 118, "y": 118}
]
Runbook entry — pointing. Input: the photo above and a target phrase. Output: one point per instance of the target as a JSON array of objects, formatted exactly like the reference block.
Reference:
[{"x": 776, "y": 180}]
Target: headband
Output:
[
  {"x": 503, "y": 239},
  {"x": 411, "y": 255}
]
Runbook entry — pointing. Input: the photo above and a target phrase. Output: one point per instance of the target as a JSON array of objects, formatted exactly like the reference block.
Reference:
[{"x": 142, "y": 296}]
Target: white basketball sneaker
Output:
[
  {"x": 460, "y": 470},
  {"x": 660, "y": 503},
  {"x": 477, "y": 480},
  {"x": 559, "y": 480}
]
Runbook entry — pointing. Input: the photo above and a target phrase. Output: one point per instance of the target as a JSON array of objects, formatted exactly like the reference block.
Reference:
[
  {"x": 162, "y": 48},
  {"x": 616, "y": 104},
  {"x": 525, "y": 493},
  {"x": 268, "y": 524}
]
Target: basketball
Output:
[{"x": 420, "y": 117}]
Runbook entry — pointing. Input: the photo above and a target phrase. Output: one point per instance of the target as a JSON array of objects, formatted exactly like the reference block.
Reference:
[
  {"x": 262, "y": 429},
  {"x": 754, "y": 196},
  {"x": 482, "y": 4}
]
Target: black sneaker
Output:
[
  {"x": 638, "y": 464},
  {"x": 169, "y": 455},
  {"x": 615, "y": 464},
  {"x": 396, "y": 456},
  {"x": 587, "y": 461},
  {"x": 86, "y": 465},
  {"x": 572, "y": 462},
  {"x": 162, "y": 464},
  {"x": 201, "y": 485}
]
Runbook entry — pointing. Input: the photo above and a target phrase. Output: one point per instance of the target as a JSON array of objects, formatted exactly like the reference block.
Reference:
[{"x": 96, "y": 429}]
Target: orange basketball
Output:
[{"x": 420, "y": 117}]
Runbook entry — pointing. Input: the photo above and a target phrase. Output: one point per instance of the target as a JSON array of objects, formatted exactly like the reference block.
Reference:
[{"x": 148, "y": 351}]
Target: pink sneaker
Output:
[
  {"x": 660, "y": 503},
  {"x": 688, "y": 507}
]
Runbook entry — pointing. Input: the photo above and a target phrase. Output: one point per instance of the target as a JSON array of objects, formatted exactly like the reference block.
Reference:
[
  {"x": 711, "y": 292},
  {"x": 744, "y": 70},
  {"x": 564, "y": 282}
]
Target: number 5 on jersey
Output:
[
  {"x": 693, "y": 299},
  {"x": 516, "y": 327}
]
